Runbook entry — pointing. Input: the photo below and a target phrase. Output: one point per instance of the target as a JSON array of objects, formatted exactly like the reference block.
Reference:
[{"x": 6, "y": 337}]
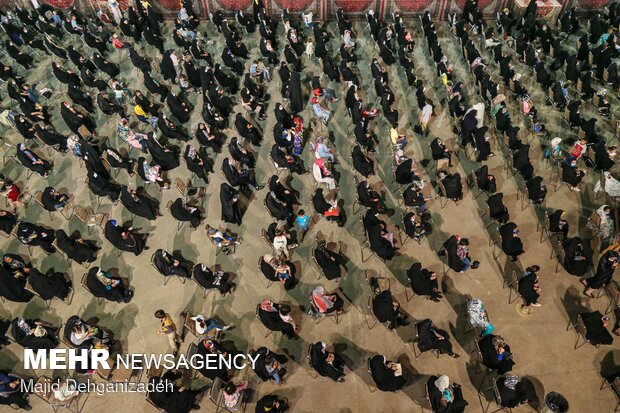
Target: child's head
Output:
[
  {"x": 285, "y": 309},
  {"x": 301, "y": 213},
  {"x": 230, "y": 388},
  {"x": 160, "y": 314}
]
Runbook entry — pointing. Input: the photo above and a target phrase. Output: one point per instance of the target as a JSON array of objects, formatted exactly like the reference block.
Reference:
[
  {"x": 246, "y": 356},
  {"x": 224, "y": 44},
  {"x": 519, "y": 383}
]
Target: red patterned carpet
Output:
[
  {"x": 61, "y": 4},
  {"x": 413, "y": 5},
  {"x": 353, "y": 6}
]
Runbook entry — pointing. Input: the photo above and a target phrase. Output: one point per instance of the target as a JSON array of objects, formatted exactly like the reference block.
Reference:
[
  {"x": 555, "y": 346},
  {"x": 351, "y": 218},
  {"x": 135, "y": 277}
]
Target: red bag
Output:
[{"x": 332, "y": 212}]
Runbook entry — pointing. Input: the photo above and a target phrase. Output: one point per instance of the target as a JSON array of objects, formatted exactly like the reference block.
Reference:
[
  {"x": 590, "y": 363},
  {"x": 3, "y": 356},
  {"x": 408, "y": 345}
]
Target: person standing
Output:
[
  {"x": 302, "y": 221},
  {"x": 169, "y": 329},
  {"x": 115, "y": 9}
]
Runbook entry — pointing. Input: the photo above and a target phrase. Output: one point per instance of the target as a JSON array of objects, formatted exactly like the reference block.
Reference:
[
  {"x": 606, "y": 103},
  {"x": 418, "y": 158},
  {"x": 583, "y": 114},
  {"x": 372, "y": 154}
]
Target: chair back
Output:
[
  {"x": 81, "y": 213},
  {"x": 428, "y": 396},
  {"x": 191, "y": 350},
  {"x": 38, "y": 196},
  {"x": 9, "y": 332},
  {"x": 309, "y": 355},
  {"x": 181, "y": 186},
  {"x": 498, "y": 397},
  {"x": 370, "y": 307},
  {"x": 61, "y": 336},
  {"x": 265, "y": 236},
  {"x": 42, "y": 389},
  {"x": 190, "y": 325},
  {"x": 216, "y": 390},
  {"x": 581, "y": 327},
  {"x": 363, "y": 226},
  {"x": 478, "y": 351},
  {"x": 614, "y": 294},
  {"x": 84, "y": 282},
  {"x": 153, "y": 263},
  {"x": 514, "y": 282},
  {"x": 30, "y": 288}
]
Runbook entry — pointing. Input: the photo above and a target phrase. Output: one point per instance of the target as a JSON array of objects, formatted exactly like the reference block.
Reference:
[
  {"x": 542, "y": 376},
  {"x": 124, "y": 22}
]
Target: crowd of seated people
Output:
[{"x": 190, "y": 68}]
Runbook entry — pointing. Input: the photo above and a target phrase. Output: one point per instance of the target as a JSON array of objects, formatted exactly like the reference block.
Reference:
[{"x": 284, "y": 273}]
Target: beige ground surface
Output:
[{"x": 543, "y": 348}]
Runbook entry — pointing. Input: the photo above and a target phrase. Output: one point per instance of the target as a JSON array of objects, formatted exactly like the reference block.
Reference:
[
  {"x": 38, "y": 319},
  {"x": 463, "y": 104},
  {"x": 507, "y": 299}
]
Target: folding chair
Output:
[
  {"x": 321, "y": 273},
  {"x": 615, "y": 388},
  {"x": 366, "y": 245},
  {"x": 416, "y": 351},
  {"x": 166, "y": 277},
  {"x": 371, "y": 388},
  {"x": 614, "y": 296},
  {"x": 497, "y": 398},
  {"x": 357, "y": 198},
  {"x": 147, "y": 397},
  {"x": 206, "y": 291},
  {"x": 218, "y": 248},
  {"x": 260, "y": 268},
  {"x": 277, "y": 167},
  {"x": 121, "y": 374},
  {"x": 480, "y": 365},
  {"x": 179, "y": 223},
  {"x": 192, "y": 349},
  {"x": 181, "y": 186},
  {"x": 42, "y": 389},
  {"x": 312, "y": 371},
  {"x": 38, "y": 196},
  {"x": 261, "y": 321},
  {"x": 113, "y": 171},
  {"x": 559, "y": 256},
  {"x": 90, "y": 218},
  {"x": 265, "y": 237},
  {"x": 513, "y": 285},
  {"x": 545, "y": 229},
  {"x": 29, "y": 287},
  {"x": 189, "y": 324},
  {"x": 580, "y": 329},
  {"x": 216, "y": 395},
  {"x": 84, "y": 283},
  {"x": 318, "y": 316},
  {"x": 444, "y": 195},
  {"x": 407, "y": 237}
]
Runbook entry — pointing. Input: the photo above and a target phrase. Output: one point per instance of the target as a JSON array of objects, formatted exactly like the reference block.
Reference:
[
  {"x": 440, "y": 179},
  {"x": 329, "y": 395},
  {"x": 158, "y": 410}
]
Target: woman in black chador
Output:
[
  {"x": 77, "y": 249},
  {"x": 139, "y": 204},
  {"x": 229, "y": 199}
]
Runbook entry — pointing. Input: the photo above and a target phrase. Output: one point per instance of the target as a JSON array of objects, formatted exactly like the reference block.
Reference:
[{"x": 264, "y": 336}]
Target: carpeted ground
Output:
[{"x": 542, "y": 346}]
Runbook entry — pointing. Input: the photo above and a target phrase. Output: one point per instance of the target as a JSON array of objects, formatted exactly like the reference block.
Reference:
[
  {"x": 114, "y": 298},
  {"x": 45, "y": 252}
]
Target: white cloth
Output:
[
  {"x": 427, "y": 112},
  {"x": 612, "y": 186},
  {"x": 116, "y": 11},
  {"x": 280, "y": 243}
]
